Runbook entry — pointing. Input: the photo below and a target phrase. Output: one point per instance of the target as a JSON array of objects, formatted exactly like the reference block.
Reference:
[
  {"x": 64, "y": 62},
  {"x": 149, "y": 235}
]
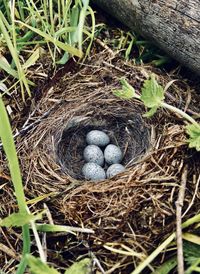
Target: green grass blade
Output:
[
  {"x": 6, "y": 6},
  {"x": 11, "y": 154},
  {"x": 22, "y": 266},
  {"x": 9, "y": 148},
  {"x": 13, "y": 51},
  {"x": 51, "y": 39},
  {"x": 81, "y": 23},
  {"x": 92, "y": 31},
  {"x": 32, "y": 59},
  {"x": 51, "y": 12},
  {"x": 167, "y": 266},
  {"x": 62, "y": 228},
  {"x": 7, "y": 68}
]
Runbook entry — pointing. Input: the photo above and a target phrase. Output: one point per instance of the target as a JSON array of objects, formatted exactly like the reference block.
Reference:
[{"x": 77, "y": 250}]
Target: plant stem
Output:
[
  {"x": 179, "y": 111},
  {"x": 22, "y": 266},
  {"x": 26, "y": 239},
  {"x": 37, "y": 239}
]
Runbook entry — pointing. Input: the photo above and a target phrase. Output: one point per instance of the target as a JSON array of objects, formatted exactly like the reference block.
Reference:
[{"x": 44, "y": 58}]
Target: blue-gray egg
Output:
[
  {"x": 93, "y": 154},
  {"x": 113, "y": 154},
  {"x": 92, "y": 171},
  {"x": 98, "y": 138},
  {"x": 114, "y": 170}
]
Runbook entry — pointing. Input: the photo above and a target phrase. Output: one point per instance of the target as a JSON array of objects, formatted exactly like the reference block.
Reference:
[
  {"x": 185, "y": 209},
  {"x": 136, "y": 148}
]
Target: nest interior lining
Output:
[{"x": 126, "y": 130}]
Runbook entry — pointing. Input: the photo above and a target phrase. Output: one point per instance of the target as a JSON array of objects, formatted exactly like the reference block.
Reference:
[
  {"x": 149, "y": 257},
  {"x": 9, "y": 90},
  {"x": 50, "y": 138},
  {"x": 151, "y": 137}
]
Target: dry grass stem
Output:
[{"x": 179, "y": 206}]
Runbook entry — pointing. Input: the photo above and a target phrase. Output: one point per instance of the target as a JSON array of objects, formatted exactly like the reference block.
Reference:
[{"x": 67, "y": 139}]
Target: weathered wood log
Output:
[{"x": 173, "y": 25}]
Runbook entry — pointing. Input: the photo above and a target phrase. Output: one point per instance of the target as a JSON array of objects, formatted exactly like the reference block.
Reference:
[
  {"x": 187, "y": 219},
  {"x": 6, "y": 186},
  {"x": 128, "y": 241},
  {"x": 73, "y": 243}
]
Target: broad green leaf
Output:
[
  {"x": 193, "y": 131},
  {"x": 81, "y": 267},
  {"x": 38, "y": 267},
  {"x": 127, "y": 91},
  {"x": 167, "y": 266},
  {"x": 152, "y": 93},
  {"x": 19, "y": 219}
]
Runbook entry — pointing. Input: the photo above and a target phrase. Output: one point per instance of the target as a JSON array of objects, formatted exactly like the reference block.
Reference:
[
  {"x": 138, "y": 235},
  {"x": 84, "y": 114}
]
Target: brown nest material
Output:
[{"x": 135, "y": 208}]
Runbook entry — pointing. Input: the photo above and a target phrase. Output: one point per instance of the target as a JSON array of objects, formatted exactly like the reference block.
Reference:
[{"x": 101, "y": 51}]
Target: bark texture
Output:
[{"x": 173, "y": 25}]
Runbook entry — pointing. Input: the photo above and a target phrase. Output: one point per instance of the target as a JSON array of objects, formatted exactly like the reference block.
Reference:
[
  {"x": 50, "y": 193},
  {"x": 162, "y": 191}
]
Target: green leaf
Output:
[
  {"x": 38, "y": 267},
  {"x": 152, "y": 93},
  {"x": 19, "y": 219},
  {"x": 151, "y": 112},
  {"x": 191, "y": 256},
  {"x": 167, "y": 266},
  {"x": 191, "y": 251},
  {"x": 127, "y": 91},
  {"x": 81, "y": 267},
  {"x": 193, "y": 130}
]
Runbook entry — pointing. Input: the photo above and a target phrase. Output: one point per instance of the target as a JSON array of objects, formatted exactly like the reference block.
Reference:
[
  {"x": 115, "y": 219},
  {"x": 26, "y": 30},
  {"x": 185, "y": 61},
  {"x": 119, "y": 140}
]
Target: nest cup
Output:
[{"x": 126, "y": 130}]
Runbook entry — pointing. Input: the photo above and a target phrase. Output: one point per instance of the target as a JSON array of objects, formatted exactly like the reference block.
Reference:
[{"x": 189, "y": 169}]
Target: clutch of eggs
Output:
[{"x": 95, "y": 157}]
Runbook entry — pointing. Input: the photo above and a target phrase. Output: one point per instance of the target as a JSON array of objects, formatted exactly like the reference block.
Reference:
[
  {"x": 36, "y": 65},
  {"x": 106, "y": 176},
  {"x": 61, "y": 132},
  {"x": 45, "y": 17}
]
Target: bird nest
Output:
[{"x": 135, "y": 208}]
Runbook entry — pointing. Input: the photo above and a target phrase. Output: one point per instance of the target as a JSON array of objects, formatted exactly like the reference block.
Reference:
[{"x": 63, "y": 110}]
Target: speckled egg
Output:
[
  {"x": 94, "y": 172},
  {"x": 98, "y": 138},
  {"x": 93, "y": 154},
  {"x": 113, "y": 154},
  {"x": 114, "y": 170}
]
